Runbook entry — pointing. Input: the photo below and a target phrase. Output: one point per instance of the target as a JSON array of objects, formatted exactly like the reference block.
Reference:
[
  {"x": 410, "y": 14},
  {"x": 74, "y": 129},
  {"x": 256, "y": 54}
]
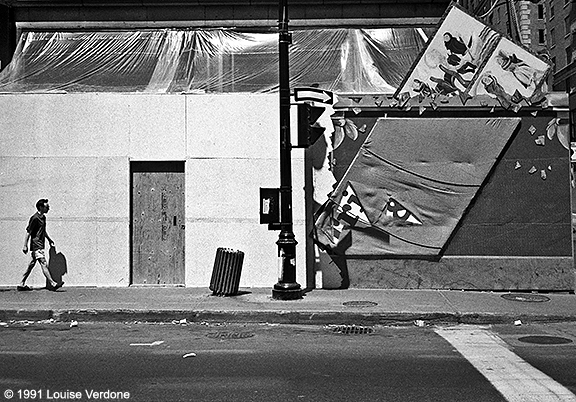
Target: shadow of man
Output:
[{"x": 57, "y": 265}]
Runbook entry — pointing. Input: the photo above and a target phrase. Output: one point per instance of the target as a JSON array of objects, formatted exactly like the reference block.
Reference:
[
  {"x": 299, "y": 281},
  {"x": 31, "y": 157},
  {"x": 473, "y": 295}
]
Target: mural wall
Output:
[
  {"x": 445, "y": 183},
  {"x": 471, "y": 199}
]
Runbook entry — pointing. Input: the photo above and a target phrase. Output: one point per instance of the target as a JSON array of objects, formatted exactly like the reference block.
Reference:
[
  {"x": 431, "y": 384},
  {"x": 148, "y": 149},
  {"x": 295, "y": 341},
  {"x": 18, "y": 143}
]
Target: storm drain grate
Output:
[
  {"x": 545, "y": 340},
  {"x": 350, "y": 329},
  {"x": 525, "y": 298},
  {"x": 230, "y": 335},
  {"x": 360, "y": 303}
]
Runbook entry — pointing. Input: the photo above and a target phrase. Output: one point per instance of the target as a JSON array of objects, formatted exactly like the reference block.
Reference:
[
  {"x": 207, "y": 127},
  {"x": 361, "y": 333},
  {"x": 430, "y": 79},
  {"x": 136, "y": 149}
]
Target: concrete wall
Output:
[{"x": 75, "y": 150}]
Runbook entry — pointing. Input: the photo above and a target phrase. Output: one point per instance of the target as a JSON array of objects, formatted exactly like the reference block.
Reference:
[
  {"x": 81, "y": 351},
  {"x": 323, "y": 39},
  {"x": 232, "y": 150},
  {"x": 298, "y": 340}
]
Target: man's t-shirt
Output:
[{"x": 37, "y": 229}]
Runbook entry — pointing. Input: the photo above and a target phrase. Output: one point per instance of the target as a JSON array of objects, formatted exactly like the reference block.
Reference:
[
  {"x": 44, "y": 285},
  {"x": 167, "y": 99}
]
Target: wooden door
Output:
[{"x": 158, "y": 223}]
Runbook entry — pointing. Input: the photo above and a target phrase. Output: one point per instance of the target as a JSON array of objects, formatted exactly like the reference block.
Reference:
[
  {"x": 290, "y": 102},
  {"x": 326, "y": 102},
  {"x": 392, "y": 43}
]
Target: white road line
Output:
[
  {"x": 155, "y": 343},
  {"x": 513, "y": 377}
]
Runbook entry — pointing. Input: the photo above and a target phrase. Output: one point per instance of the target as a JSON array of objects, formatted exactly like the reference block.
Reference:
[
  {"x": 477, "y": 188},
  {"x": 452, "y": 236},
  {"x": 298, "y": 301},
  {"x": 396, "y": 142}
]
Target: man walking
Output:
[{"x": 36, "y": 234}]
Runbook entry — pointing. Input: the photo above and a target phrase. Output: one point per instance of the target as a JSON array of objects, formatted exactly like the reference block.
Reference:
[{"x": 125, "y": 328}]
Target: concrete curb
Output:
[{"x": 278, "y": 317}]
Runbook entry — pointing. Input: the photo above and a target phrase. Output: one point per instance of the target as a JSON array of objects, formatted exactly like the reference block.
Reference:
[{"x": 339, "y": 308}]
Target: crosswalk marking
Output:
[{"x": 513, "y": 377}]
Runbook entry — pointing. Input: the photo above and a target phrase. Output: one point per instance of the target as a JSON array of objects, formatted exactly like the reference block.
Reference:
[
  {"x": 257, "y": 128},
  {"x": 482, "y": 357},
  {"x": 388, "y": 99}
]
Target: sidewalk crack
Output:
[{"x": 447, "y": 300}]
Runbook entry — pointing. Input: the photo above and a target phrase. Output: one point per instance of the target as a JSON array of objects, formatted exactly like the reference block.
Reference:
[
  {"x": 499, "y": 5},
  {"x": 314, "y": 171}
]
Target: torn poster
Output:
[
  {"x": 410, "y": 184},
  {"x": 466, "y": 58}
]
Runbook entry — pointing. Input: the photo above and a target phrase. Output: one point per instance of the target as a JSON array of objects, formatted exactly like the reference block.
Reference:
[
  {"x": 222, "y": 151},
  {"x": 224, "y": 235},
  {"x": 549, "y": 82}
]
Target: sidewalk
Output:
[{"x": 166, "y": 304}]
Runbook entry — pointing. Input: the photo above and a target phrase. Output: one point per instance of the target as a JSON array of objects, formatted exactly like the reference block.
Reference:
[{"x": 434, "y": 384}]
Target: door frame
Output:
[{"x": 136, "y": 166}]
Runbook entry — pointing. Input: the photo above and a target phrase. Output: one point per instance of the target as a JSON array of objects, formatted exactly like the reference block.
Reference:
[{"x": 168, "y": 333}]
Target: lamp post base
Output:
[
  {"x": 287, "y": 288},
  {"x": 281, "y": 293}
]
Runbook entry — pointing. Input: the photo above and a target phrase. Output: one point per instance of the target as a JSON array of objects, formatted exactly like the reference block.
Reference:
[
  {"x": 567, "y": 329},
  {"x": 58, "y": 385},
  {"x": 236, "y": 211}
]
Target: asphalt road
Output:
[{"x": 196, "y": 362}]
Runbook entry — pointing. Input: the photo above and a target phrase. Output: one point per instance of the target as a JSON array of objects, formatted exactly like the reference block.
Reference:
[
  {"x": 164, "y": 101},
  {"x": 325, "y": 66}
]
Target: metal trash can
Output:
[{"x": 226, "y": 273}]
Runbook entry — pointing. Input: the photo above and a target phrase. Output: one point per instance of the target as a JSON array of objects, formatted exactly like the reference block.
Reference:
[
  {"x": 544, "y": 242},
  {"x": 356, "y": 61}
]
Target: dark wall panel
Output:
[{"x": 518, "y": 213}]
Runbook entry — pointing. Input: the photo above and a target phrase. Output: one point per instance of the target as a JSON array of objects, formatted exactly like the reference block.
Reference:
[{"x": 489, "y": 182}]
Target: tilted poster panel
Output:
[{"x": 410, "y": 184}]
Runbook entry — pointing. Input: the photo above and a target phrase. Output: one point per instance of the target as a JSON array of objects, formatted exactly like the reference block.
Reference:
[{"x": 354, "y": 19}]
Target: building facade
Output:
[
  {"x": 148, "y": 177},
  {"x": 205, "y": 153}
]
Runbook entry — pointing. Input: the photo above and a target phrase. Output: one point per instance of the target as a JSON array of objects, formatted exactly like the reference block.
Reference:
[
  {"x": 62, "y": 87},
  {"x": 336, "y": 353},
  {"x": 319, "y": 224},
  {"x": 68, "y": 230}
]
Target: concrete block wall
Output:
[
  {"x": 75, "y": 150},
  {"x": 232, "y": 152}
]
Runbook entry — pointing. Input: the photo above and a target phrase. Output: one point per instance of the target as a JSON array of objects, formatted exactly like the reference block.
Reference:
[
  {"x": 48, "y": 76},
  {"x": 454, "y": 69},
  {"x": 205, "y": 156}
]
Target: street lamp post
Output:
[{"x": 287, "y": 288}]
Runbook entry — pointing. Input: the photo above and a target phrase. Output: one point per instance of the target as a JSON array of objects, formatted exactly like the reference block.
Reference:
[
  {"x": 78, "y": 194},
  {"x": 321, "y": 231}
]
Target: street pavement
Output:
[
  {"x": 244, "y": 363},
  {"x": 317, "y": 307}
]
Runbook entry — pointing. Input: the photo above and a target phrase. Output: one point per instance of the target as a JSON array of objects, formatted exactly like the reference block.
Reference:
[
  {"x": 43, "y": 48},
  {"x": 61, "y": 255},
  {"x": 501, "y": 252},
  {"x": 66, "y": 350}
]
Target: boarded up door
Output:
[{"x": 157, "y": 223}]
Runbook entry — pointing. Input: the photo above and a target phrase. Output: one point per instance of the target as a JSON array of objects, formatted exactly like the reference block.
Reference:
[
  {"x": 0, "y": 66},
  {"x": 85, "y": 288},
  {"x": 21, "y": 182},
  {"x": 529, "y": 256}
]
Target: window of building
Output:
[
  {"x": 551, "y": 10},
  {"x": 208, "y": 61},
  {"x": 541, "y": 37},
  {"x": 568, "y": 55},
  {"x": 554, "y": 64},
  {"x": 552, "y": 37},
  {"x": 540, "y": 11},
  {"x": 567, "y": 25}
]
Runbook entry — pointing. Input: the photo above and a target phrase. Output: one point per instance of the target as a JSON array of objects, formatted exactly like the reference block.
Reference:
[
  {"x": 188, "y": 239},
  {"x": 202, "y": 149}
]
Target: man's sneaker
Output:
[{"x": 56, "y": 287}]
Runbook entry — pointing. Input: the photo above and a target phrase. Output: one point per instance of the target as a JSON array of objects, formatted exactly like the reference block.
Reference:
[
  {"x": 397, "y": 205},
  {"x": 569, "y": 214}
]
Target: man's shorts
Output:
[{"x": 38, "y": 255}]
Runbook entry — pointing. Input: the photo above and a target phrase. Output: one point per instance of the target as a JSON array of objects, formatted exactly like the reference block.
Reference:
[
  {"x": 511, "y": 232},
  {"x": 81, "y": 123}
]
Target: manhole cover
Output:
[
  {"x": 230, "y": 335},
  {"x": 359, "y": 303},
  {"x": 545, "y": 340},
  {"x": 525, "y": 298},
  {"x": 351, "y": 329}
]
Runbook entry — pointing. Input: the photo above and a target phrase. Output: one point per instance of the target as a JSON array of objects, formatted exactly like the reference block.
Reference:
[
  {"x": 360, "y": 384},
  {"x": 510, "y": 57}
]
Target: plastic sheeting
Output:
[
  {"x": 219, "y": 60},
  {"x": 410, "y": 185}
]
